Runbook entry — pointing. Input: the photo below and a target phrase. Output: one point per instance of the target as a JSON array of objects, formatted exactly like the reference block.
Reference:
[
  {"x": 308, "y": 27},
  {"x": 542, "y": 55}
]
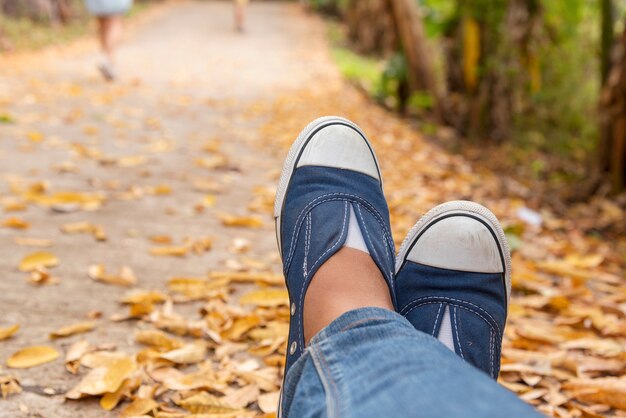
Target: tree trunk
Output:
[
  {"x": 421, "y": 75},
  {"x": 371, "y": 27},
  {"x": 612, "y": 152},
  {"x": 607, "y": 26}
]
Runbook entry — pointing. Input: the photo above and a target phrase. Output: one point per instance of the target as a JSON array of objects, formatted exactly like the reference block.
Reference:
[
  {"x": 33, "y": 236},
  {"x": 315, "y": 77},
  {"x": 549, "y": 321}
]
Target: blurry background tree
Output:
[
  {"x": 542, "y": 82},
  {"x": 532, "y": 86}
]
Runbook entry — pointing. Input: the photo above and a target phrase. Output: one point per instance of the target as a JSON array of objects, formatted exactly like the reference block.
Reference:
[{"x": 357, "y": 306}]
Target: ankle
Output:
[{"x": 348, "y": 280}]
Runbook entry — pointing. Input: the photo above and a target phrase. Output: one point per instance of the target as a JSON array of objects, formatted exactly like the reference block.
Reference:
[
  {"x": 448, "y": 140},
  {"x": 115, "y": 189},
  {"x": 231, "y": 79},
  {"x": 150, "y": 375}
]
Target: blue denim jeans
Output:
[{"x": 371, "y": 362}]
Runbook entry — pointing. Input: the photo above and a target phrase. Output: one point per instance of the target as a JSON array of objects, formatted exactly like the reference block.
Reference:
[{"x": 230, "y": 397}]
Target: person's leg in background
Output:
[
  {"x": 240, "y": 15},
  {"x": 370, "y": 361},
  {"x": 109, "y": 34}
]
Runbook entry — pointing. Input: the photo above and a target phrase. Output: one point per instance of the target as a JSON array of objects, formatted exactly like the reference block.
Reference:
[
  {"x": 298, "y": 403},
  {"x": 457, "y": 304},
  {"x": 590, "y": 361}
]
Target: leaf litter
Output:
[{"x": 565, "y": 342}]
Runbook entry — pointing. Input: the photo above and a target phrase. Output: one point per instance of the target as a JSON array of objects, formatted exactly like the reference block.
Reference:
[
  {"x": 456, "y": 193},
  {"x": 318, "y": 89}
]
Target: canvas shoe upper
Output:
[
  {"x": 330, "y": 178},
  {"x": 453, "y": 281}
]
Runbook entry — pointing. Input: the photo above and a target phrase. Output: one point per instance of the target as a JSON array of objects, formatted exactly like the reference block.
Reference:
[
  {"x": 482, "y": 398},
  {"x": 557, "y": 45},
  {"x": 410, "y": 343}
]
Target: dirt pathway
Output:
[
  {"x": 195, "y": 132},
  {"x": 159, "y": 146}
]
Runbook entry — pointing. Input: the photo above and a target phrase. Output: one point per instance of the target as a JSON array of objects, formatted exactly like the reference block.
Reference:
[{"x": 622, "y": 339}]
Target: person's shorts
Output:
[{"x": 108, "y": 7}]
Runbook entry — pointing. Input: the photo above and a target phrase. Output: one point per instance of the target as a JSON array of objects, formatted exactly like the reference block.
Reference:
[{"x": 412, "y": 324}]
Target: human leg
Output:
[
  {"x": 109, "y": 34},
  {"x": 371, "y": 362}
]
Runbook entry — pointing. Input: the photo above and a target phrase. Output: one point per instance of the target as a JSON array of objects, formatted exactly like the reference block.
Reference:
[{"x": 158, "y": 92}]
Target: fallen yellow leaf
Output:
[
  {"x": 140, "y": 406},
  {"x": 266, "y": 298},
  {"x": 32, "y": 356},
  {"x": 125, "y": 277},
  {"x": 73, "y": 329},
  {"x": 170, "y": 251},
  {"x": 38, "y": 260},
  {"x": 105, "y": 378},
  {"x": 7, "y": 332},
  {"x": 15, "y": 223},
  {"x": 240, "y": 327},
  {"x": 157, "y": 339},
  {"x": 111, "y": 399},
  {"x": 241, "y": 221},
  {"x": 8, "y": 386},
  {"x": 32, "y": 242},
  {"x": 187, "y": 354}
]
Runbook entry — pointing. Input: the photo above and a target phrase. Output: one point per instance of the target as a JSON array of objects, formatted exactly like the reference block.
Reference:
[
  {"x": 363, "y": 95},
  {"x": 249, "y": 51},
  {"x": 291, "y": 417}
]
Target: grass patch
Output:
[{"x": 22, "y": 34}]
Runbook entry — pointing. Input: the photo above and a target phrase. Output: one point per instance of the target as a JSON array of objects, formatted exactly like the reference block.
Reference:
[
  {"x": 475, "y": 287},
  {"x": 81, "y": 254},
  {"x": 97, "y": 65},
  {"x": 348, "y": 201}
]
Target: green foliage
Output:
[
  {"x": 363, "y": 71},
  {"x": 25, "y": 34}
]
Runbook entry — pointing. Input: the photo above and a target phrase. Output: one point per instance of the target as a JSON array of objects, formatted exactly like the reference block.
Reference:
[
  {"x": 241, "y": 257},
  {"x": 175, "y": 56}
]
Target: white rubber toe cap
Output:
[
  {"x": 339, "y": 146},
  {"x": 458, "y": 243}
]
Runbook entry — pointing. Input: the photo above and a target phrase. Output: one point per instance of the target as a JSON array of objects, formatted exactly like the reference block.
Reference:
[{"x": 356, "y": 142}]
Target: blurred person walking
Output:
[
  {"x": 240, "y": 14},
  {"x": 109, "y": 16}
]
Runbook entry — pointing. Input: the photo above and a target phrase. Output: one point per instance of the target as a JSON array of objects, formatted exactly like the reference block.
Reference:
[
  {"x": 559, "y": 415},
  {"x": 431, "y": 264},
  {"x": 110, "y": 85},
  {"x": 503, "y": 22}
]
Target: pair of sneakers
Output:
[{"x": 451, "y": 277}]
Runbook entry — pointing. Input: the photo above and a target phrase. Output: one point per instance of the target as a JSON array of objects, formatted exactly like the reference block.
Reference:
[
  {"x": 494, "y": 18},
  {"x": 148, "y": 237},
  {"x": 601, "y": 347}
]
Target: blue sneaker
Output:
[
  {"x": 330, "y": 184},
  {"x": 453, "y": 281}
]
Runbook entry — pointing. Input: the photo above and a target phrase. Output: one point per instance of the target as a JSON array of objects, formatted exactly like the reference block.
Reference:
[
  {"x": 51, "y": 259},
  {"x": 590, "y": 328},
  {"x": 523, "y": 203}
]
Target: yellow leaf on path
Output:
[
  {"x": 208, "y": 201},
  {"x": 204, "y": 403},
  {"x": 7, "y": 332},
  {"x": 268, "y": 402},
  {"x": 170, "y": 251},
  {"x": 240, "y": 327},
  {"x": 157, "y": 339},
  {"x": 161, "y": 239},
  {"x": 85, "y": 228},
  {"x": 245, "y": 277},
  {"x": 73, "y": 329},
  {"x": 187, "y": 354},
  {"x": 8, "y": 386},
  {"x": 75, "y": 353},
  {"x": 32, "y": 242},
  {"x": 38, "y": 260},
  {"x": 111, "y": 399},
  {"x": 143, "y": 296},
  {"x": 241, "y": 221},
  {"x": 608, "y": 391},
  {"x": 196, "y": 288},
  {"x": 15, "y": 223},
  {"x": 103, "y": 379},
  {"x": 140, "y": 406},
  {"x": 41, "y": 277},
  {"x": 266, "y": 298},
  {"x": 125, "y": 277},
  {"x": 196, "y": 380},
  {"x": 34, "y": 136},
  {"x": 32, "y": 356},
  {"x": 241, "y": 398}
]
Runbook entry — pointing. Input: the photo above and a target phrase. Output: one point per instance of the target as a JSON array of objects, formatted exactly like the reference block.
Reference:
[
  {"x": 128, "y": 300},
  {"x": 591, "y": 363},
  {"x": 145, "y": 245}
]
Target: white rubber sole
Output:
[
  {"x": 292, "y": 159},
  {"x": 461, "y": 207}
]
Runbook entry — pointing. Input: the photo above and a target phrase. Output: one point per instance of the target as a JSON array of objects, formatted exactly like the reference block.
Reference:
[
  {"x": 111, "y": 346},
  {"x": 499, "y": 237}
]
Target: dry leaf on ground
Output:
[
  {"x": 125, "y": 277},
  {"x": 73, "y": 329},
  {"x": 32, "y": 356},
  {"x": 7, "y": 332},
  {"x": 38, "y": 260}
]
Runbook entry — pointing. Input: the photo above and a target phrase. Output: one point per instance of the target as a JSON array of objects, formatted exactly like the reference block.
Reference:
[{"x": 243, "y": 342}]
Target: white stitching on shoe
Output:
[
  {"x": 453, "y": 304},
  {"x": 436, "y": 320},
  {"x": 316, "y": 202},
  {"x": 388, "y": 250},
  {"x": 491, "y": 351},
  {"x": 452, "y": 299},
  {"x": 343, "y": 227},
  {"x": 456, "y": 330},
  {"x": 307, "y": 242}
]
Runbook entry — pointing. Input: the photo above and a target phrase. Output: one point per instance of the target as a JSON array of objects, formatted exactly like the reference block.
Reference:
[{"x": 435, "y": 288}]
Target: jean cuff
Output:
[{"x": 359, "y": 317}]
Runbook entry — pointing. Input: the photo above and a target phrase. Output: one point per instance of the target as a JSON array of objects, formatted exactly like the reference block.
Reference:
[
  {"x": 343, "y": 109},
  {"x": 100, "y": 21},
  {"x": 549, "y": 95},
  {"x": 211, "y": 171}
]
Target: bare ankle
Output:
[{"x": 348, "y": 280}]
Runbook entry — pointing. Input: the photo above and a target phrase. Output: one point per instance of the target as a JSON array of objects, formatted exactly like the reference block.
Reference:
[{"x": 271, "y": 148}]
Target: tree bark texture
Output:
[{"x": 612, "y": 150}]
